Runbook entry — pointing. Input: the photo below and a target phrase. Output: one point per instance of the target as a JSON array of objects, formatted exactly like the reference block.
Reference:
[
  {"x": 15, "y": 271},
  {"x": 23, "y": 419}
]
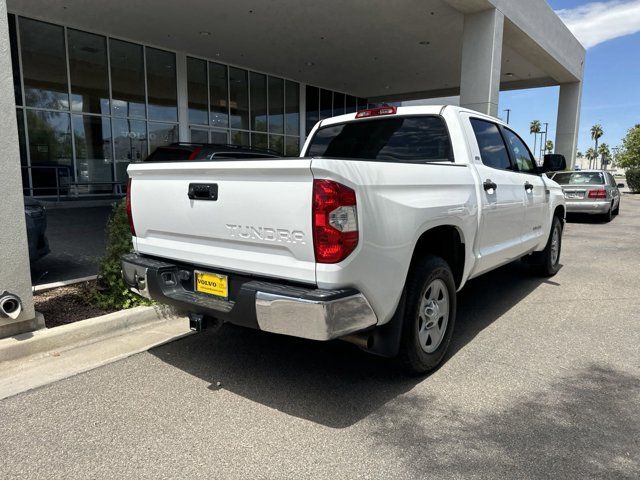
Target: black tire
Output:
[
  {"x": 607, "y": 217},
  {"x": 617, "y": 210},
  {"x": 412, "y": 356},
  {"x": 543, "y": 262}
]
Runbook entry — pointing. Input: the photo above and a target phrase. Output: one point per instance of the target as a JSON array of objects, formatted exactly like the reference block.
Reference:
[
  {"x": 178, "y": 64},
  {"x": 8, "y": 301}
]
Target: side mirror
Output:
[
  {"x": 554, "y": 162},
  {"x": 621, "y": 185}
]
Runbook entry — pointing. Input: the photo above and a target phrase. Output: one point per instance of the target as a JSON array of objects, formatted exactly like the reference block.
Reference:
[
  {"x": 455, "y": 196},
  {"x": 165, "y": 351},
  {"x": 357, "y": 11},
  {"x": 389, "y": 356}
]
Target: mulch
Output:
[{"x": 64, "y": 305}]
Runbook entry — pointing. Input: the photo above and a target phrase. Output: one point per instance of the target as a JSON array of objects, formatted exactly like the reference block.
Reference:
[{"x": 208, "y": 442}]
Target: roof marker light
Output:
[{"x": 374, "y": 112}]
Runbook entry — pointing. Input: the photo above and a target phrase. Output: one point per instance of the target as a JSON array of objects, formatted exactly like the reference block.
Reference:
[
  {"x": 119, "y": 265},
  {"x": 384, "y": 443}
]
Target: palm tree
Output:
[
  {"x": 535, "y": 128},
  {"x": 548, "y": 146},
  {"x": 590, "y": 154},
  {"x": 596, "y": 133},
  {"x": 604, "y": 153}
]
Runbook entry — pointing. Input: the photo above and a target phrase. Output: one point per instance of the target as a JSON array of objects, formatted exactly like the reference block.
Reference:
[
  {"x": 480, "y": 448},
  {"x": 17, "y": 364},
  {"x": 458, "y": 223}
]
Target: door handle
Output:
[
  {"x": 528, "y": 187},
  {"x": 489, "y": 185}
]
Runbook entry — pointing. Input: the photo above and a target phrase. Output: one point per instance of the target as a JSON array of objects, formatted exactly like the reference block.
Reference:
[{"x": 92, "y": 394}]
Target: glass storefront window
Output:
[
  {"x": 197, "y": 91},
  {"x": 130, "y": 142},
  {"x": 350, "y": 104},
  {"x": 94, "y": 162},
  {"x": 276, "y": 143},
  {"x": 238, "y": 98},
  {"x": 15, "y": 59},
  {"x": 199, "y": 136},
  {"x": 240, "y": 138},
  {"x": 219, "y": 136},
  {"x": 292, "y": 147},
  {"x": 49, "y": 146},
  {"x": 127, "y": 79},
  {"x": 218, "y": 95},
  {"x": 326, "y": 104},
  {"x": 292, "y": 108},
  {"x": 162, "y": 94},
  {"x": 161, "y": 134},
  {"x": 338, "y": 104},
  {"x": 258, "y": 102},
  {"x": 260, "y": 140},
  {"x": 276, "y": 105},
  {"x": 44, "y": 64},
  {"x": 313, "y": 102},
  {"x": 88, "y": 72}
]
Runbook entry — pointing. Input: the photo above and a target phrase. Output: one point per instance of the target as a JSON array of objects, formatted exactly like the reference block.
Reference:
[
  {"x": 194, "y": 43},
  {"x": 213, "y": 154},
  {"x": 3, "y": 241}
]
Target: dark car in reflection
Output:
[{"x": 36, "y": 219}]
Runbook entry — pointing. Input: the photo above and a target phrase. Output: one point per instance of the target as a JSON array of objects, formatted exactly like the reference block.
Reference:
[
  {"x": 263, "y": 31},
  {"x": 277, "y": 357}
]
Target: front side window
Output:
[
  {"x": 493, "y": 151},
  {"x": 395, "y": 139},
  {"x": 521, "y": 155}
]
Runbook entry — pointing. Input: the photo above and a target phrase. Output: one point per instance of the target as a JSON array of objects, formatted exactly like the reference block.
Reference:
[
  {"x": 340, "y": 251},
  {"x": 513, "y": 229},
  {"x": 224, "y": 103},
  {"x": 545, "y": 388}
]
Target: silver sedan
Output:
[{"x": 590, "y": 191}]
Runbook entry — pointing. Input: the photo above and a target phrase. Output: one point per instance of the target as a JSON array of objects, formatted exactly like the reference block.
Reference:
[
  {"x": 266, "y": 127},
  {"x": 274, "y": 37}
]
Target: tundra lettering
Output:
[{"x": 249, "y": 232}]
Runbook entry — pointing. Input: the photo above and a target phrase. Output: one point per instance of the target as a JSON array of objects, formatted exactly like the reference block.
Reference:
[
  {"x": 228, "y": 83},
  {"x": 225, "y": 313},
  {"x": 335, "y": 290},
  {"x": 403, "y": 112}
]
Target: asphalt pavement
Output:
[
  {"x": 77, "y": 239},
  {"x": 542, "y": 381}
]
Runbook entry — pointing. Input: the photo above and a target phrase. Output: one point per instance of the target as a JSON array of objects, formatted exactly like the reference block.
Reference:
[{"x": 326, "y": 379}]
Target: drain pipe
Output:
[{"x": 10, "y": 305}]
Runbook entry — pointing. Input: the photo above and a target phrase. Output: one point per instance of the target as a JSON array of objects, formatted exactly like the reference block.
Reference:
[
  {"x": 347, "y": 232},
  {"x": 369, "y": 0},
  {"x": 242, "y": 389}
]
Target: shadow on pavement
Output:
[
  {"x": 585, "y": 425},
  {"x": 334, "y": 383}
]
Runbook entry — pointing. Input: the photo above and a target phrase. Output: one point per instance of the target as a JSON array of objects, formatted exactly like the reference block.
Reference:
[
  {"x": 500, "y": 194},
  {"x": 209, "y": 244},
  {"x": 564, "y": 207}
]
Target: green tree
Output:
[
  {"x": 590, "y": 155},
  {"x": 629, "y": 155},
  {"x": 596, "y": 133},
  {"x": 605, "y": 155},
  {"x": 535, "y": 128},
  {"x": 548, "y": 146}
]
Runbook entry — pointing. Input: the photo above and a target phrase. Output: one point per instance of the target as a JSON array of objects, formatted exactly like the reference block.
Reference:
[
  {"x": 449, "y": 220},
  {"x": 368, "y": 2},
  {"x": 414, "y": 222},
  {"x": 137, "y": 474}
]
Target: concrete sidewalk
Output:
[{"x": 31, "y": 360}]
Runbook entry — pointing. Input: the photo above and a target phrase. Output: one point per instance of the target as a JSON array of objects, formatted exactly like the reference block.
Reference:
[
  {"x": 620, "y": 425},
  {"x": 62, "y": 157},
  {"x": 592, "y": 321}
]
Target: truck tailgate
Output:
[{"x": 260, "y": 222}]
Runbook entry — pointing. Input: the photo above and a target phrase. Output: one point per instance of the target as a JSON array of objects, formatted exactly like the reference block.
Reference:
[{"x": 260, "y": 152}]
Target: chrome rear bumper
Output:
[{"x": 272, "y": 306}]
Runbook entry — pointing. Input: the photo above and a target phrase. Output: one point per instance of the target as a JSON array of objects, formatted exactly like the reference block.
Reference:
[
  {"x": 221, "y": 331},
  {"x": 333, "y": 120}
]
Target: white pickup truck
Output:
[{"x": 366, "y": 237}]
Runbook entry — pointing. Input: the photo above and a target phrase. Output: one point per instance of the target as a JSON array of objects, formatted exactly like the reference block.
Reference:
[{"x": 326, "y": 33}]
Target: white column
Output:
[
  {"x": 183, "y": 97},
  {"x": 568, "y": 121},
  {"x": 15, "y": 276},
  {"x": 481, "y": 61}
]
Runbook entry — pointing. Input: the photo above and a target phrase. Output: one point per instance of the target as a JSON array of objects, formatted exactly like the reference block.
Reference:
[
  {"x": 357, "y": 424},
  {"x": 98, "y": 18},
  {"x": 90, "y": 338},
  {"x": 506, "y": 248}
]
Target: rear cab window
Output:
[
  {"x": 579, "y": 178},
  {"x": 413, "y": 139},
  {"x": 493, "y": 151}
]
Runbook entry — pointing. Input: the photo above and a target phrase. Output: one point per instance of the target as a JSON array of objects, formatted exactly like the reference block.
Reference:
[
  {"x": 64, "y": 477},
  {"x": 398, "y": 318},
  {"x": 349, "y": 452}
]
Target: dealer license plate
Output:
[
  {"x": 575, "y": 195},
  {"x": 212, "y": 284}
]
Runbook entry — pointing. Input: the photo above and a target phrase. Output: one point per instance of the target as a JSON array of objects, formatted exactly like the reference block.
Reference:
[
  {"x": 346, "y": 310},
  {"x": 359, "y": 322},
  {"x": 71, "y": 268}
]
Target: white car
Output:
[{"x": 366, "y": 237}]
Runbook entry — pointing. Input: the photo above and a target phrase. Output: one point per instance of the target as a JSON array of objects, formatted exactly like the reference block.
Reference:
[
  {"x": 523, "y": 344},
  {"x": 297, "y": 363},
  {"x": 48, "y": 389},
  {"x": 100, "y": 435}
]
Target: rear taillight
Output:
[
  {"x": 375, "y": 112},
  {"x": 129, "y": 215},
  {"x": 599, "y": 193},
  {"x": 335, "y": 221}
]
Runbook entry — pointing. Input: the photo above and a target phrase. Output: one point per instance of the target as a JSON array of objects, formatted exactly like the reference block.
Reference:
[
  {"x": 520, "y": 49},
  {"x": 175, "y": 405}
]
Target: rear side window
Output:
[
  {"x": 493, "y": 151},
  {"x": 579, "y": 178},
  {"x": 398, "y": 139}
]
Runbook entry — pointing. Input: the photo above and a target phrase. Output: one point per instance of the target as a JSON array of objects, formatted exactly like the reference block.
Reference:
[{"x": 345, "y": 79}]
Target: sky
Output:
[{"x": 610, "y": 30}]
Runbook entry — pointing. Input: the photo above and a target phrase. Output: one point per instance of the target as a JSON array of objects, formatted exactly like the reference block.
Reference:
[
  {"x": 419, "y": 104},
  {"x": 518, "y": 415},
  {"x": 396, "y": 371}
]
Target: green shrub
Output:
[
  {"x": 633, "y": 179},
  {"x": 112, "y": 292}
]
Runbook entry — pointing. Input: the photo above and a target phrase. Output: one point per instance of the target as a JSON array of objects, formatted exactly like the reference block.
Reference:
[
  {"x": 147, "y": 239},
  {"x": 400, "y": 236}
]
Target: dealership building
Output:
[{"x": 86, "y": 87}]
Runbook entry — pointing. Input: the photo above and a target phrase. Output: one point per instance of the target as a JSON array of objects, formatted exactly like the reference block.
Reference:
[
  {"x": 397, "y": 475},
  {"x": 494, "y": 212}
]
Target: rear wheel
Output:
[
  {"x": 607, "y": 217},
  {"x": 617, "y": 210},
  {"x": 430, "y": 315}
]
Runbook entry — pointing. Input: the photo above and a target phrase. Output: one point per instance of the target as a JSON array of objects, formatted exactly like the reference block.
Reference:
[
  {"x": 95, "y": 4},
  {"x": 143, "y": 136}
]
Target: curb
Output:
[
  {"x": 73, "y": 335},
  {"x": 64, "y": 283}
]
